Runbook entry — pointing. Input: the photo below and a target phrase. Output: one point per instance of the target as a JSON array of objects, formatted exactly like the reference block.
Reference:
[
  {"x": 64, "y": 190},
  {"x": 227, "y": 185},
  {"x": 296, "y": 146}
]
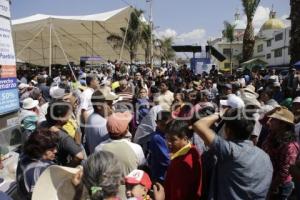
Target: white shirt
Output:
[{"x": 86, "y": 100}]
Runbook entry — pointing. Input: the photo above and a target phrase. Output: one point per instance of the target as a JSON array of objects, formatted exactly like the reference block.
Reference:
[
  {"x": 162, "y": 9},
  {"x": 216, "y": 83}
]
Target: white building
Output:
[
  {"x": 272, "y": 42},
  {"x": 224, "y": 46}
]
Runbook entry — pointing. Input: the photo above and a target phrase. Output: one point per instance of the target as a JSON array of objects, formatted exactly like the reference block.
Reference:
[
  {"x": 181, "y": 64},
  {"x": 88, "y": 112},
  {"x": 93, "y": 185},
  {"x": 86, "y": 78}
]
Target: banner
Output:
[
  {"x": 4, "y": 8},
  {"x": 9, "y": 94},
  {"x": 200, "y": 65}
]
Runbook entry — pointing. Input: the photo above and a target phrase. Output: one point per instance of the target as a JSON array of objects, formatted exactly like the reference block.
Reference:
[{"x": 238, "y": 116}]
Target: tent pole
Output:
[
  {"x": 124, "y": 39},
  {"x": 19, "y": 53},
  {"x": 64, "y": 53},
  {"x": 43, "y": 48},
  {"x": 50, "y": 49},
  {"x": 92, "y": 41}
]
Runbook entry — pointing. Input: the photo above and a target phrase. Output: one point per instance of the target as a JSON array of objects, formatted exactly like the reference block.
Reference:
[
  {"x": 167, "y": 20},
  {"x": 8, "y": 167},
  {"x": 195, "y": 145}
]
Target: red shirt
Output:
[
  {"x": 184, "y": 177},
  {"x": 282, "y": 157}
]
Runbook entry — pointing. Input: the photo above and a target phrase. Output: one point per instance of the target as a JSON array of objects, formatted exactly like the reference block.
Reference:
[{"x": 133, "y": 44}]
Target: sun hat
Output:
[
  {"x": 283, "y": 114},
  {"x": 99, "y": 96},
  {"x": 55, "y": 183},
  {"x": 139, "y": 177},
  {"x": 117, "y": 123},
  {"x": 23, "y": 86},
  {"x": 233, "y": 101},
  {"x": 29, "y": 103},
  {"x": 250, "y": 89},
  {"x": 251, "y": 101}
]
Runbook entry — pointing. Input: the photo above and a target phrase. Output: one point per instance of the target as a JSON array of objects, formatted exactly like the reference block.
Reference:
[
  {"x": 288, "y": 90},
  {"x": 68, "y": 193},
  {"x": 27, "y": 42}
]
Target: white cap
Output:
[
  {"x": 296, "y": 100},
  {"x": 29, "y": 103},
  {"x": 56, "y": 92},
  {"x": 233, "y": 101}
]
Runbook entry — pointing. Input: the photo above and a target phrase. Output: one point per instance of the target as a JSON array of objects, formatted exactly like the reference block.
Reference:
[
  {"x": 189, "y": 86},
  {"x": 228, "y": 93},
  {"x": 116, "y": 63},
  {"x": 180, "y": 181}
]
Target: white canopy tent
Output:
[{"x": 48, "y": 39}]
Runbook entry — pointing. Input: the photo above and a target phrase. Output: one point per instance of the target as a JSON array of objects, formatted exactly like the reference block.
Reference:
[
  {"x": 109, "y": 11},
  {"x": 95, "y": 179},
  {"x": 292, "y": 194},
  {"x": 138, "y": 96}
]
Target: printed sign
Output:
[
  {"x": 7, "y": 71},
  {"x": 4, "y": 8},
  {"x": 9, "y": 94},
  {"x": 9, "y": 100},
  {"x": 8, "y": 83},
  {"x": 7, "y": 53}
]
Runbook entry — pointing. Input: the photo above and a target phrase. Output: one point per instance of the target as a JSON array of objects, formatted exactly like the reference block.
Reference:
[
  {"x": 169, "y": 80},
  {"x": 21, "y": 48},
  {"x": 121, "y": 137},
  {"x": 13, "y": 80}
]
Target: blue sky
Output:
[{"x": 189, "y": 21}]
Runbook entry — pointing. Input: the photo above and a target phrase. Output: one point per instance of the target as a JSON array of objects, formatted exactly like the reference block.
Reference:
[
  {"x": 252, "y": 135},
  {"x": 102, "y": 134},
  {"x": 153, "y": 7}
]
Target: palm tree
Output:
[
  {"x": 295, "y": 31},
  {"x": 132, "y": 35},
  {"x": 146, "y": 41},
  {"x": 250, "y": 7},
  {"x": 166, "y": 50},
  {"x": 229, "y": 34}
]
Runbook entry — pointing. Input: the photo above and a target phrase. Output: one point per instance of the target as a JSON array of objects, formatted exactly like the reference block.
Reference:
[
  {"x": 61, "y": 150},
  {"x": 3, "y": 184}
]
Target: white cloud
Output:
[
  {"x": 261, "y": 16},
  {"x": 166, "y": 33},
  {"x": 196, "y": 36}
]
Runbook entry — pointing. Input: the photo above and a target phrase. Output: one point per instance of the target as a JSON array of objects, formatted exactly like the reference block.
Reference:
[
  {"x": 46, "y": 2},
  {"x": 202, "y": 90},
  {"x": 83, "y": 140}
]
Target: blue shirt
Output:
[
  {"x": 158, "y": 157},
  {"x": 243, "y": 171},
  {"x": 95, "y": 131}
]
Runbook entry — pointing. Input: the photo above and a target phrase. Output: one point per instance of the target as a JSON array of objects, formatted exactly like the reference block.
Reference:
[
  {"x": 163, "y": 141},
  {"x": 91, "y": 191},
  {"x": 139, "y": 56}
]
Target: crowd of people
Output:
[{"x": 162, "y": 133}]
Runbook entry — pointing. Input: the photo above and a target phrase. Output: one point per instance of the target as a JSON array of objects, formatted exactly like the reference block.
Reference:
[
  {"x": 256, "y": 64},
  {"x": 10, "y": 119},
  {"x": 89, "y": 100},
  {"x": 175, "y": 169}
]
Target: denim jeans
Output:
[{"x": 285, "y": 191}]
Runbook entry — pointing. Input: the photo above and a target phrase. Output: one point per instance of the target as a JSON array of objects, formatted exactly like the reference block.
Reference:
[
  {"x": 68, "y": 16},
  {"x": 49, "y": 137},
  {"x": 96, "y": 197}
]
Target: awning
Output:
[
  {"x": 255, "y": 62},
  {"x": 78, "y": 35},
  {"x": 297, "y": 64}
]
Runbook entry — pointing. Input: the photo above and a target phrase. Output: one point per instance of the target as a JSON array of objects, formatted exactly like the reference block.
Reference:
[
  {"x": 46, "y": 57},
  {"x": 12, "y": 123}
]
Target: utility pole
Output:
[{"x": 151, "y": 32}]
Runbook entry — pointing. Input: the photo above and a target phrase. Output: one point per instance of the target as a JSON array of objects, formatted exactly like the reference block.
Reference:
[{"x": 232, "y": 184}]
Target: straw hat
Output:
[
  {"x": 283, "y": 114},
  {"x": 250, "y": 89},
  {"x": 55, "y": 183}
]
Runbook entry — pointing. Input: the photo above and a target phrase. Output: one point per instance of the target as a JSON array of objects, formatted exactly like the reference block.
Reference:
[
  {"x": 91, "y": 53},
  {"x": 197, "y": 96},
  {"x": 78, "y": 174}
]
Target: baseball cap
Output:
[
  {"x": 56, "y": 92},
  {"x": 233, "y": 101},
  {"x": 139, "y": 177}
]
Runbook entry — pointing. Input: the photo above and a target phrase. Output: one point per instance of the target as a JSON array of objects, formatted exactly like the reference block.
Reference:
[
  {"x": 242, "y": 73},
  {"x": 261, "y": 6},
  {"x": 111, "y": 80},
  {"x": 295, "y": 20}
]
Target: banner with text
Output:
[{"x": 9, "y": 95}]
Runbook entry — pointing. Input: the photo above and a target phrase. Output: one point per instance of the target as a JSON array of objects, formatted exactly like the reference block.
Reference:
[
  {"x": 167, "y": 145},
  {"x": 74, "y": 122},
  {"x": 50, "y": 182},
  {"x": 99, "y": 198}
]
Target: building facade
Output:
[
  {"x": 226, "y": 48},
  {"x": 272, "y": 42}
]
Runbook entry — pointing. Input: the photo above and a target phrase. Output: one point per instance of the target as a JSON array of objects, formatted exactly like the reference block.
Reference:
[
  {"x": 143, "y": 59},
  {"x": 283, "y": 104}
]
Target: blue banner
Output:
[
  {"x": 8, "y": 83},
  {"x": 9, "y": 100}
]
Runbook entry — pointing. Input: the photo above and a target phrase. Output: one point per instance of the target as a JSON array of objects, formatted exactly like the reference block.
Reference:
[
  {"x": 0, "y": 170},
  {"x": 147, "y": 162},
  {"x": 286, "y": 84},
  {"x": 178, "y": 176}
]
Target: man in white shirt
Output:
[{"x": 86, "y": 106}]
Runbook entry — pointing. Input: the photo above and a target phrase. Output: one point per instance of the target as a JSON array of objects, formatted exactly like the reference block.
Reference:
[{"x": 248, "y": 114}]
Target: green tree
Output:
[
  {"x": 146, "y": 41},
  {"x": 166, "y": 51},
  {"x": 295, "y": 31},
  {"x": 132, "y": 35},
  {"x": 250, "y": 7},
  {"x": 229, "y": 34}
]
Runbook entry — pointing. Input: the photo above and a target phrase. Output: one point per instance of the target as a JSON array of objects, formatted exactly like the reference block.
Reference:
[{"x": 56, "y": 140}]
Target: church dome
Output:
[{"x": 272, "y": 23}]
